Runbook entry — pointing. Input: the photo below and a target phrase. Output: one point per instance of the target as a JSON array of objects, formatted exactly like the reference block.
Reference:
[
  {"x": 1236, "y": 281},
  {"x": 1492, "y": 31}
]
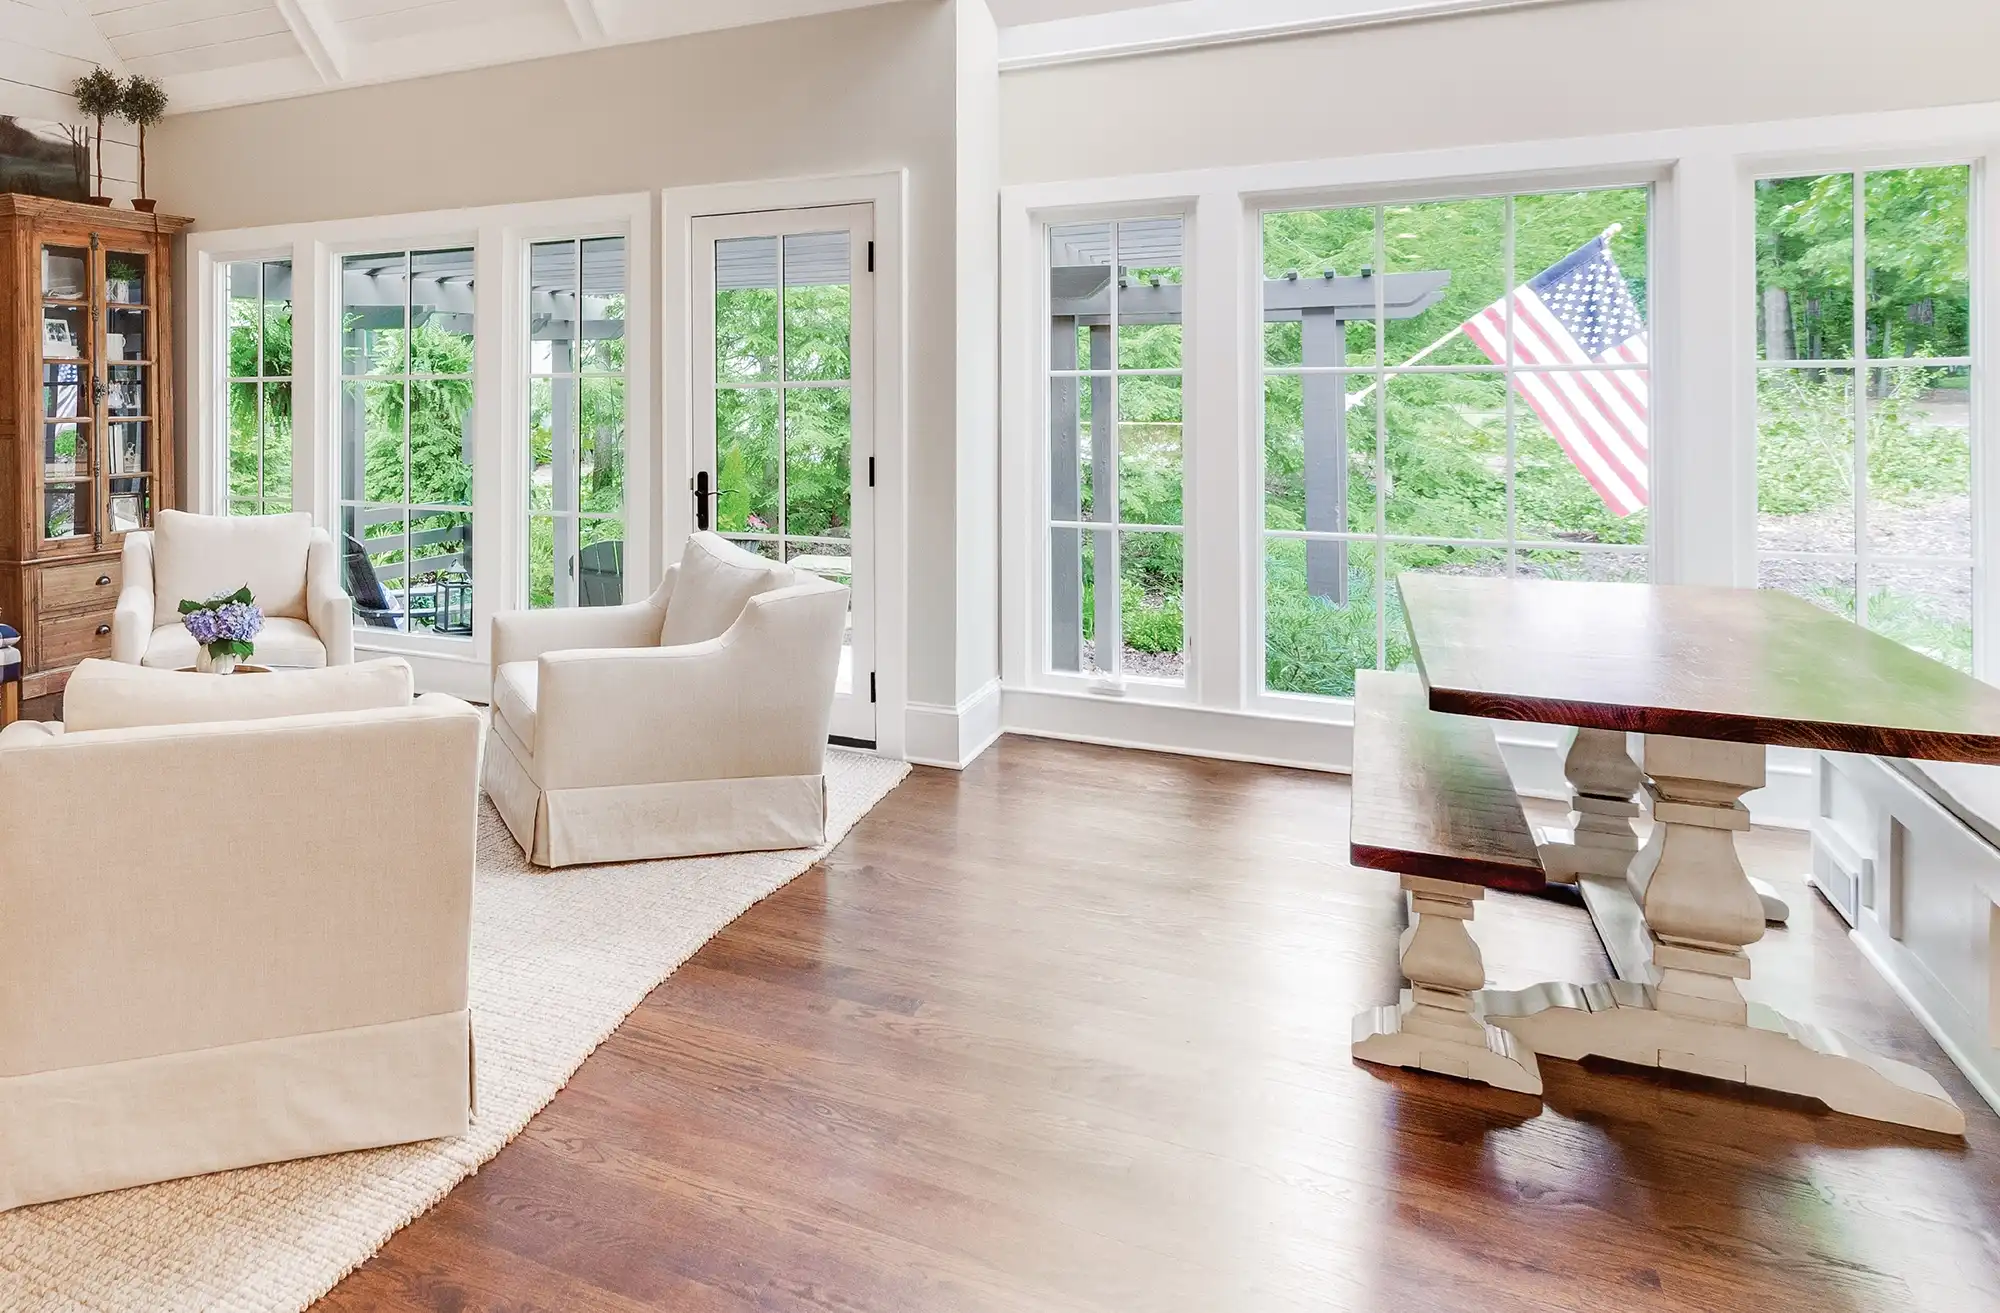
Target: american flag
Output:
[{"x": 1579, "y": 311}]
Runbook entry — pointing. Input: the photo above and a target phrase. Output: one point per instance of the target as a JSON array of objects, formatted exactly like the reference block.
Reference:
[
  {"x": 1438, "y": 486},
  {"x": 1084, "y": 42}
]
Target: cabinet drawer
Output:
[
  {"x": 66, "y": 640},
  {"x": 91, "y": 585}
]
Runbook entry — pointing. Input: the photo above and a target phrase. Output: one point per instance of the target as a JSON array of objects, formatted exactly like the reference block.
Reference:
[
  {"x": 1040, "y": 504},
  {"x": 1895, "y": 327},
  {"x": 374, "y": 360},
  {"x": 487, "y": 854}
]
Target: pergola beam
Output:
[
  {"x": 313, "y": 28},
  {"x": 587, "y": 16}
]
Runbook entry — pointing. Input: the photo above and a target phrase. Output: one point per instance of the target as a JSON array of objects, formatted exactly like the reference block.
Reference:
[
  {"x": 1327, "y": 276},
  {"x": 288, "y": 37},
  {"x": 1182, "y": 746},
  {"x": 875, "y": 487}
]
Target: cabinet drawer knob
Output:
[
  {"x": 103, "y": 581},
  {"x": 102, "y": 630}
]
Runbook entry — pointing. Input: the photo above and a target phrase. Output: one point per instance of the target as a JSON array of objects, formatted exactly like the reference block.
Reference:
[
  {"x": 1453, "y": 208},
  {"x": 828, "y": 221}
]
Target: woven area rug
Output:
[{"x": 558, "y": 960}]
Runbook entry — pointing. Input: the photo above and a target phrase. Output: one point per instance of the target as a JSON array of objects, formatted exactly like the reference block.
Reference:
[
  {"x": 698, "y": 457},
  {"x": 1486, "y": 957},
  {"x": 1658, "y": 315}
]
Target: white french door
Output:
[{"x": 784, "y": 371}]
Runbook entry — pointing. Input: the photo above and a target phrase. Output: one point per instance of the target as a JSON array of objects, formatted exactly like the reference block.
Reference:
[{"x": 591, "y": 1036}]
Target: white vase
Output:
[{"x": 215, "y": 664}]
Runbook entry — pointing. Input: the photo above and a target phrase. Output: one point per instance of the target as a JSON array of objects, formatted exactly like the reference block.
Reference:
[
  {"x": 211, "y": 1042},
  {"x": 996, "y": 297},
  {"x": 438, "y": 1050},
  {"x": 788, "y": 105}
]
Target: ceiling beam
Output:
[
  {"x": 326, "y": 49},
  {"x": 587, "y": 16}
]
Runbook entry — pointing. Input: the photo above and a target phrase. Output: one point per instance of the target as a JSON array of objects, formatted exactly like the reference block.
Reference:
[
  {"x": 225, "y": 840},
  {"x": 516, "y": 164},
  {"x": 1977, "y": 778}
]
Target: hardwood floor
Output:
[{"x": 1069, "y": 1032}]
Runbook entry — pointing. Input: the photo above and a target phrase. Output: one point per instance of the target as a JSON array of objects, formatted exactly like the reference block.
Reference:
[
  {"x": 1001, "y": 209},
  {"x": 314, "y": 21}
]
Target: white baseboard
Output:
[
  {"x": 1188, "y": 731},
  {"x": 1534, "y": 753},
  {"x": 952, "y": 737},
  {"x": 467, "y": 677}
]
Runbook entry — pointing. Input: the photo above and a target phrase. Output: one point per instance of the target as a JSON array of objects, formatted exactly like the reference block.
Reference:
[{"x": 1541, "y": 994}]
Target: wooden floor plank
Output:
[{"x": 1068, "y": 1032}]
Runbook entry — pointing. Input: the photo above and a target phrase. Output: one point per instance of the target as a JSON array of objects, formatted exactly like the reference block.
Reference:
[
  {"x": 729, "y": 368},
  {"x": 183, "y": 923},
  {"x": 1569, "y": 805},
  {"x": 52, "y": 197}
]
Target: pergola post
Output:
[
  {"x": 1323, "y": 415},
  {"x": 1065, "y": 544}
]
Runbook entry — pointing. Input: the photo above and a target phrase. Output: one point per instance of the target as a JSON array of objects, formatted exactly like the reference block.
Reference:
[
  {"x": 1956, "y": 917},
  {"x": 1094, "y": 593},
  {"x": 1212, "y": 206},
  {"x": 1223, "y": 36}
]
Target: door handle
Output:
[{"x": 703, "y": 495}]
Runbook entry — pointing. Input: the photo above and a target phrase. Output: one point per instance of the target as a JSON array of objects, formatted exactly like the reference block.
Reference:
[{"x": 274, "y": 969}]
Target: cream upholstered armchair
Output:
[
  {"x": 237, "y": 971},
  {"x": 290, "y": 566},
  {"x": 692, "y": 722}
]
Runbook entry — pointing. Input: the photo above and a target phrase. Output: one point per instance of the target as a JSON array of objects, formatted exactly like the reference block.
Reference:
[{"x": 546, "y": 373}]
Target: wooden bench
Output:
[{"x": 1432, "y": 801}]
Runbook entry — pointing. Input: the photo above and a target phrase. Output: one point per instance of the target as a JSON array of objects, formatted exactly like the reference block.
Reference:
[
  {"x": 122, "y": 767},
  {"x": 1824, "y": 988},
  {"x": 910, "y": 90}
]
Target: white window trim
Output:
[
  {"x": 499, "y": 236},
  {"x": 1702, "y": 295},
  {"x": 888, "y": 192}
]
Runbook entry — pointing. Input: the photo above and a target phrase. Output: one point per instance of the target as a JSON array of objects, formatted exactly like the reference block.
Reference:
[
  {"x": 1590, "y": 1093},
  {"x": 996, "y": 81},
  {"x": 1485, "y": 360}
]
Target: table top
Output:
[{"x": 1744, "y": 665}]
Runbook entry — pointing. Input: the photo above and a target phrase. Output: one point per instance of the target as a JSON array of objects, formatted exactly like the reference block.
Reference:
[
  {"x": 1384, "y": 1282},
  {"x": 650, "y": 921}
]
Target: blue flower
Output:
[
  {"x": 239, "y": 622},
  {"x": 204, "y": 625}
]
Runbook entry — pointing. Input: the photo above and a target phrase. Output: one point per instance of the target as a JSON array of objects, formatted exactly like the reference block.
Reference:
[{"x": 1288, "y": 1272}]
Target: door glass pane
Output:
[
  {"x": 440, "y": 427},
  {"x": 818, "y": 270},
  {"x": 126, "y": 392},
  {"x": 277, "y": 446},
  {"x": 1805, "y": 268},
  {"x": 65, "y": 273},
  {"x": 440, "y": 578},
  {"x": 240, "y": 283},
  {"x": 831, "y": 561},
  {"x": 66, "y": 510},
  {"x": 1805, "y": 460},
  {"x": 600, "y": 562},
  {"x": 746, "y": 454},
  {"x": 1151, "y": 578},
  {"x": 746, "y": 309},
  {"x": 374, "y": 296},
  {"x": 1452, "y": 260},
  {"x": 277, "y": 318},
  {"x": 818, "y": 483},
  {"x": 441, "y": 312},
  {"x": 374, "y": 545},
  {"x": 552, "y": 307},
  {"x": 1301, "y": 247},
  {"x": 1445, "y": 450},
  {"x": 1319, "y": 615},
  {"x": 601, "y": 460},
  {"x": 1574, "y": 482},
  {"x": 65, "y": 332},
  {"x": 542, "y": 561},
  {"x": 128, "y": 450},
  {"x": 125, "y": 278},
  {"x": 1150, "y": 256},
  {"x": 125, "y": 335},
  {"x": 1826, "y": 584},
  {"x": 63, "y": 392},
  {"x": 604, "y": 283},
  {"x": 130, "y": 505},
  {"x": 245, "y": 475},
  {"x": 371, "y": 442},
  {"x": 1920, "y": 461},
  {"x": 1928, "y": 608},
  {"x": 1919, "y": 292},
  {"x": 1149, "y": 449},
  {"x": 65, "y": 451}
]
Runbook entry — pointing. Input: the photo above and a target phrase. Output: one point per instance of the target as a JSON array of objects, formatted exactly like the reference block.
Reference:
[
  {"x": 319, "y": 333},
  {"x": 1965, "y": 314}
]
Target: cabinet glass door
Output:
[
  {"x": 130, "y": 397},
  {"x": 69, "y": 417}
]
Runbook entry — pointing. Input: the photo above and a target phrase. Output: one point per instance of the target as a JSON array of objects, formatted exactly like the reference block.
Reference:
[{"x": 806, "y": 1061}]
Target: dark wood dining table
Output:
[{"x": 1711, "y": 676}]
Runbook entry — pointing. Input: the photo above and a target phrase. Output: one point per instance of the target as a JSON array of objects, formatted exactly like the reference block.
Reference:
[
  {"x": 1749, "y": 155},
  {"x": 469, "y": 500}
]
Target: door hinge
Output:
[
  {"x": 871, "y": 686},
  {"x": 871, "y": 471},
  {"x": 871, "y": 257}
]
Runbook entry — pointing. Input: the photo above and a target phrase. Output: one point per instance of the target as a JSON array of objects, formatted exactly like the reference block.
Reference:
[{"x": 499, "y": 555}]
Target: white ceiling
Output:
[{"x": 220, "y": 52}]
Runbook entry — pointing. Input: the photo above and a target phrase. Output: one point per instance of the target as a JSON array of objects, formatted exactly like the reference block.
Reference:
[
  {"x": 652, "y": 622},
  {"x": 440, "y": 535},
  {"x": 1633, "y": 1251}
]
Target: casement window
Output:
[
  {"x": 1865, "y": 421},
  {"x": 1116, "y": 451},
  {"x": 405, "y": 438},
  {"x": 576, "y": 307},
  {"x": 258, "y": 415},
  {"x": 1454, "y": 385}
]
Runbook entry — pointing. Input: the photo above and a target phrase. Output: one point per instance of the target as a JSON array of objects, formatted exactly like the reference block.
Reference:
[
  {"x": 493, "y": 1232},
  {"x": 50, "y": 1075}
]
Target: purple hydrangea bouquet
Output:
[{"x": 223, "y": 628}]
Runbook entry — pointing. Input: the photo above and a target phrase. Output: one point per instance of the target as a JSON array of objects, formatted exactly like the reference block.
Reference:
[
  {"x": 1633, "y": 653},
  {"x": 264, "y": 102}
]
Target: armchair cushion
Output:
[
  {"x": 106, "y": 695},
  {"x": 514, "y": 699},
  {"x": 717, "y": 580},
  {"x": 281, "y": 643},
  {"x": 198, "y": 556}
]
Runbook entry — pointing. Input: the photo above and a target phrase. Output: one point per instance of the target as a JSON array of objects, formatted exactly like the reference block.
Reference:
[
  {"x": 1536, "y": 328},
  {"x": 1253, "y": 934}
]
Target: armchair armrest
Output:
[
  {"x": 328, "y": 607},
  {"x": 132, "y": 622},
  {"x": 526, "y": 635},
  {"x": 755, "y": 701}
]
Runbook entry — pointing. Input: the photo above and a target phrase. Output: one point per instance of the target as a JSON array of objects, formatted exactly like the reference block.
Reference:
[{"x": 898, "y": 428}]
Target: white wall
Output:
[
  {"x": 978, "y": 350},
  {"x": 1572, "y": 70},
  {"x": 43, "y": 50},
  {"x": 864, "y": 91}
]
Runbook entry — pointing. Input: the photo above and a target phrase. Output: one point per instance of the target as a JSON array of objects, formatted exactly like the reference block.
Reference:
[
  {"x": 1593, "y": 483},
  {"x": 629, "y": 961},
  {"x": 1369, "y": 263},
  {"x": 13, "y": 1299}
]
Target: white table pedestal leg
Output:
[
  {"x": 1701, "y": 912},
  {"x": 1434, "y": 1028}
]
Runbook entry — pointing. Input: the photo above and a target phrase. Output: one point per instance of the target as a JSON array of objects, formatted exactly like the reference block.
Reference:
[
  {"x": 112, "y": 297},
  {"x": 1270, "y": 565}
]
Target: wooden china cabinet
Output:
[{"x": 86, "y": 417}]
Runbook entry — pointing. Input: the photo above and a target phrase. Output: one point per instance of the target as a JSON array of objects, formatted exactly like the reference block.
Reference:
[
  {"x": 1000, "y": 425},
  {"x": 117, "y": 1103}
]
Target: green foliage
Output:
[
  {"x": 244, "y": 436},
  {"x": 99, "y": 94},
  {"x": 142, "y": 101},
  {"x": 817, "y": 441},
  {"x": 436, "y": 409}
]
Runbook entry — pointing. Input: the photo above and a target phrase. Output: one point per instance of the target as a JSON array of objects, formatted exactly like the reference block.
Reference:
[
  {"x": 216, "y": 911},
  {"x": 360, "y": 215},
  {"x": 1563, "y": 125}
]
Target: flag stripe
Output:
[
  {"x": 1559, "y": 422},
  {"x": 1577, "y": 415},
  {"x": 1605, "y": 415}
]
